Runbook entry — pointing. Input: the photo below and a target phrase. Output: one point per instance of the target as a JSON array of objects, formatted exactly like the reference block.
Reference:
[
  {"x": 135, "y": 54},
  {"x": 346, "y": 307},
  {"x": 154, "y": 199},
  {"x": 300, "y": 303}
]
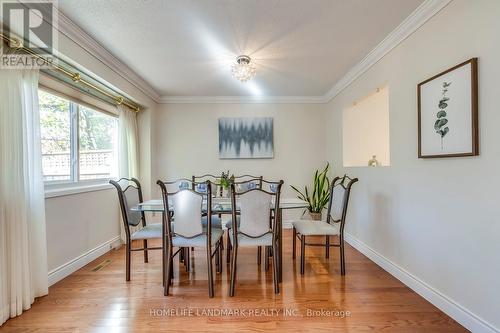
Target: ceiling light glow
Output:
[{"x": 243, "y": 70}]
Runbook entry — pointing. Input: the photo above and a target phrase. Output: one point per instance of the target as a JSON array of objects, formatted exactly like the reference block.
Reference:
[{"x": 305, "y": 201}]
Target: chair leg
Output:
[
  {"x": 163, "y": 258},
  {"x": 342, "y": 257},
  {"x": 219, "y": 254},
  {"x": 269, "y": 253},
  {"x": 327, "y": 247},
  {"x": 186, "y": 259},
  {"x": 275, "y": 270},
  {"x": 171, "y": 258},
  {"x": 277, "y": 258},
  {"x": 228, "y": 248},
  {"x": 181, "y": 256},
  {"x": 210, "y": 273},
  {"x": 127, "y": 262},
  {"x": 217, "y": 263},
  {"x": 221, "y": 249},
  {"x": 302, "y": 254},
  {"x": 294, "y": 241},
  {"x": 271, "y": 221},
  {"x": 234, "y": 255},
  {"x": 168, "y": 271},
  {"x": 145, "y": 243},
  {"x": 259, "y": 255},
  {"x": 266, "y": 256}
]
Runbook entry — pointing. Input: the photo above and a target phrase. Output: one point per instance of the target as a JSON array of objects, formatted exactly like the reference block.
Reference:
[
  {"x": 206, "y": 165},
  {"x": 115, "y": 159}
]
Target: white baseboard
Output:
[
  {"x": 72, "y": 266},
  {"x": 463, "y": 316}
]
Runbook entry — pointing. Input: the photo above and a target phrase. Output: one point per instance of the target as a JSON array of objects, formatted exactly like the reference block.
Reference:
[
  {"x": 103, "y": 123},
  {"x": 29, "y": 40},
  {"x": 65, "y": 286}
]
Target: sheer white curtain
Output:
[
  {"x": 23, "y": 245},
  {"x": 128, "y": 152}
]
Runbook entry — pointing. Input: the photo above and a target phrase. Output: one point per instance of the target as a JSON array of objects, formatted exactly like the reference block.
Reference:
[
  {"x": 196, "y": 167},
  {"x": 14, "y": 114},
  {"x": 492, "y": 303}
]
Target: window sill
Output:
[{"x": 52, "y": 191}]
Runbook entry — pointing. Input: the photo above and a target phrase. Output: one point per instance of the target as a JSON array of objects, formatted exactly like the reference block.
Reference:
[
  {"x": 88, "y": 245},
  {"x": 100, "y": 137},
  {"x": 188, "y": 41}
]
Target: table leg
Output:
[{"x": 280, "y": 245}]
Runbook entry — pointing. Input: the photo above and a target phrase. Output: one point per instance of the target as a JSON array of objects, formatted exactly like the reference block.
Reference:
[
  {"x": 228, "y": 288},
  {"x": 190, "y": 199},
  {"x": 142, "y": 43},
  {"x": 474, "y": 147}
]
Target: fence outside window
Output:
[{"x": 93, "y": 164}]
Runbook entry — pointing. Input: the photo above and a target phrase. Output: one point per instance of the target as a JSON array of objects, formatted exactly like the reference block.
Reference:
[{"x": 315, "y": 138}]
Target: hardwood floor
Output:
[{"x": 97, "y": 299}]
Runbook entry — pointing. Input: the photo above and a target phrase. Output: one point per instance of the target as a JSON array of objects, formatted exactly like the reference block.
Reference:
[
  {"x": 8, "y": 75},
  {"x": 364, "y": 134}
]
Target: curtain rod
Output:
[{"x": 75, "y": 76}]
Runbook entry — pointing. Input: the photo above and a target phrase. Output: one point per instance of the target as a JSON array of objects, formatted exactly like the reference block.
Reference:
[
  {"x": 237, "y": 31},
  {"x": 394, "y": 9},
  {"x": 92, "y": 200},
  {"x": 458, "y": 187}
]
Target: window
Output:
[
  {"x": 366, "y": 131},
  {"x": 78, "y": 143},
  {"x": 97, "y": 142},
  {"x": 55, "y": 127}
]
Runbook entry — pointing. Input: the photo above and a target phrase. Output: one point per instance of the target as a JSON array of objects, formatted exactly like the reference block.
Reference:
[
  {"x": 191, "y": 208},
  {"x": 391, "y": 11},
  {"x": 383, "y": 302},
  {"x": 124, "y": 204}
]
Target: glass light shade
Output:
[{"x": 242, "y": 69}]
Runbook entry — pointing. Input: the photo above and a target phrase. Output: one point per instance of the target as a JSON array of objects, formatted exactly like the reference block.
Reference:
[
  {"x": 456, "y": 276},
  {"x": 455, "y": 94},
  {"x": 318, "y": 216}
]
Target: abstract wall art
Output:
[
  {"x": 246, "y": 138},
  {"x": 448, "y": 113}
]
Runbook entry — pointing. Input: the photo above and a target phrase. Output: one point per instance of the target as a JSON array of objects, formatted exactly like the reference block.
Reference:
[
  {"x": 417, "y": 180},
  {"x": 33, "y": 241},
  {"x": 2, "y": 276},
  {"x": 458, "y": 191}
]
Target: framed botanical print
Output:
[{"x": 448, "y": 113}]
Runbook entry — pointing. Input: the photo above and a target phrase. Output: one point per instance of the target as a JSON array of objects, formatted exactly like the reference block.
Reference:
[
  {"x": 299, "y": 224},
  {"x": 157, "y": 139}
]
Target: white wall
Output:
[
  {"x": 79, "y": 223},
  {"x": 187, "y": 141},
  {"x": 438, "y": 219}
]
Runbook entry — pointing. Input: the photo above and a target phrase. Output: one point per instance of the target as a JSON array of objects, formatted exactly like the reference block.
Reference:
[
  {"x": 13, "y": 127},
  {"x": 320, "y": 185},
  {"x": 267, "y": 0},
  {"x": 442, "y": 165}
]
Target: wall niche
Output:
[{"x": 365, "y": 128}]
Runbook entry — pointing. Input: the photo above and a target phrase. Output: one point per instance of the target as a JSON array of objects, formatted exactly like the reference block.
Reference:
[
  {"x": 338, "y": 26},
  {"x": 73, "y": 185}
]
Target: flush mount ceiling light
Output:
[{"x": 242, "y": 69}]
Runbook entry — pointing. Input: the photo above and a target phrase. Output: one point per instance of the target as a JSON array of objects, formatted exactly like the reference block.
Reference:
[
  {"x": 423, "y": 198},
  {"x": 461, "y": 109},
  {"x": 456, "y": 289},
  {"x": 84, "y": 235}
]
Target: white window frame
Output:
[{"x": 55, "y": 188}]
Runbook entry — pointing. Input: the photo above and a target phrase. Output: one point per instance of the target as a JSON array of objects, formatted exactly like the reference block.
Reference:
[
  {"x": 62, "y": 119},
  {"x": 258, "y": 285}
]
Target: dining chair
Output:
[
  {"x": 183, "y": 218},
  {"x": 217, "y": 189},
  {"x": 246, "y": 182},
  {"x": 130, "y": 195},
  {"x": 200, "y": 187},
  {"x": 249, "y": 180},
  {"x": 254, "y": 206},
  {"x": 340, "y": 190}
]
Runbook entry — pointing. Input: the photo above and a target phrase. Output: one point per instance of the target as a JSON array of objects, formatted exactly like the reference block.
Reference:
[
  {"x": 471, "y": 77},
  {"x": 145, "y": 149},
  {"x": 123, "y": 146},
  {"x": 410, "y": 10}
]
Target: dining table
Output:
[{"x": 223, "y": 206}]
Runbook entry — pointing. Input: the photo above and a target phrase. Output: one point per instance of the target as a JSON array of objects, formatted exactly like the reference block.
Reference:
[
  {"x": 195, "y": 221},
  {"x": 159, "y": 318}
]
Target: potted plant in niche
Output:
[{"x": 320, "y": 195}]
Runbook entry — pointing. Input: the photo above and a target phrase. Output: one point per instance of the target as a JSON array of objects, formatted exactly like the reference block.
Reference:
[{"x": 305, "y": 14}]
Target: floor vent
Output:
[{"x": 101, "y": 265}]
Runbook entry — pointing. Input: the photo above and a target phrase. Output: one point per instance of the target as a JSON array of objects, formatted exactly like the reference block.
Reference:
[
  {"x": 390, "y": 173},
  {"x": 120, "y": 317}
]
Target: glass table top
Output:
[{"x": 218, "y": 205}]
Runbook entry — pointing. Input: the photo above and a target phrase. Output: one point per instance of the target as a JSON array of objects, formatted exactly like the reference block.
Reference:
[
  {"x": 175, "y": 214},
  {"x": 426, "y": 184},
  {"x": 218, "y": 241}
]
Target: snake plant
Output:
[{"x": 318, "y": 198}]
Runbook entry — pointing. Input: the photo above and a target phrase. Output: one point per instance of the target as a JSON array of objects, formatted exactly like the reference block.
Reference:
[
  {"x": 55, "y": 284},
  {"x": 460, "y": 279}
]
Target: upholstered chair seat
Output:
[
  {"x": 198, "y": 241},
  {"x": 243, "y": 240},
  {"x": 148, "y": 232},
  {"x": 315, "y": 228}
]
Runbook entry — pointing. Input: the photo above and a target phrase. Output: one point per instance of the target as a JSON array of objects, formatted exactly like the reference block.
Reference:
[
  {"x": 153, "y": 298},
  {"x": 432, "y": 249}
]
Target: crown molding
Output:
[
  {"x": 412, "y": 23},
  {"x": 69, "y": 28},
  {"x": 242, "y": 99}
]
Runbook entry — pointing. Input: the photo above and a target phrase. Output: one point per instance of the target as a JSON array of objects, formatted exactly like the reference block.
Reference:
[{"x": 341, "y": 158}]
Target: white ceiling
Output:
[{"x": 186, "y": 47}]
